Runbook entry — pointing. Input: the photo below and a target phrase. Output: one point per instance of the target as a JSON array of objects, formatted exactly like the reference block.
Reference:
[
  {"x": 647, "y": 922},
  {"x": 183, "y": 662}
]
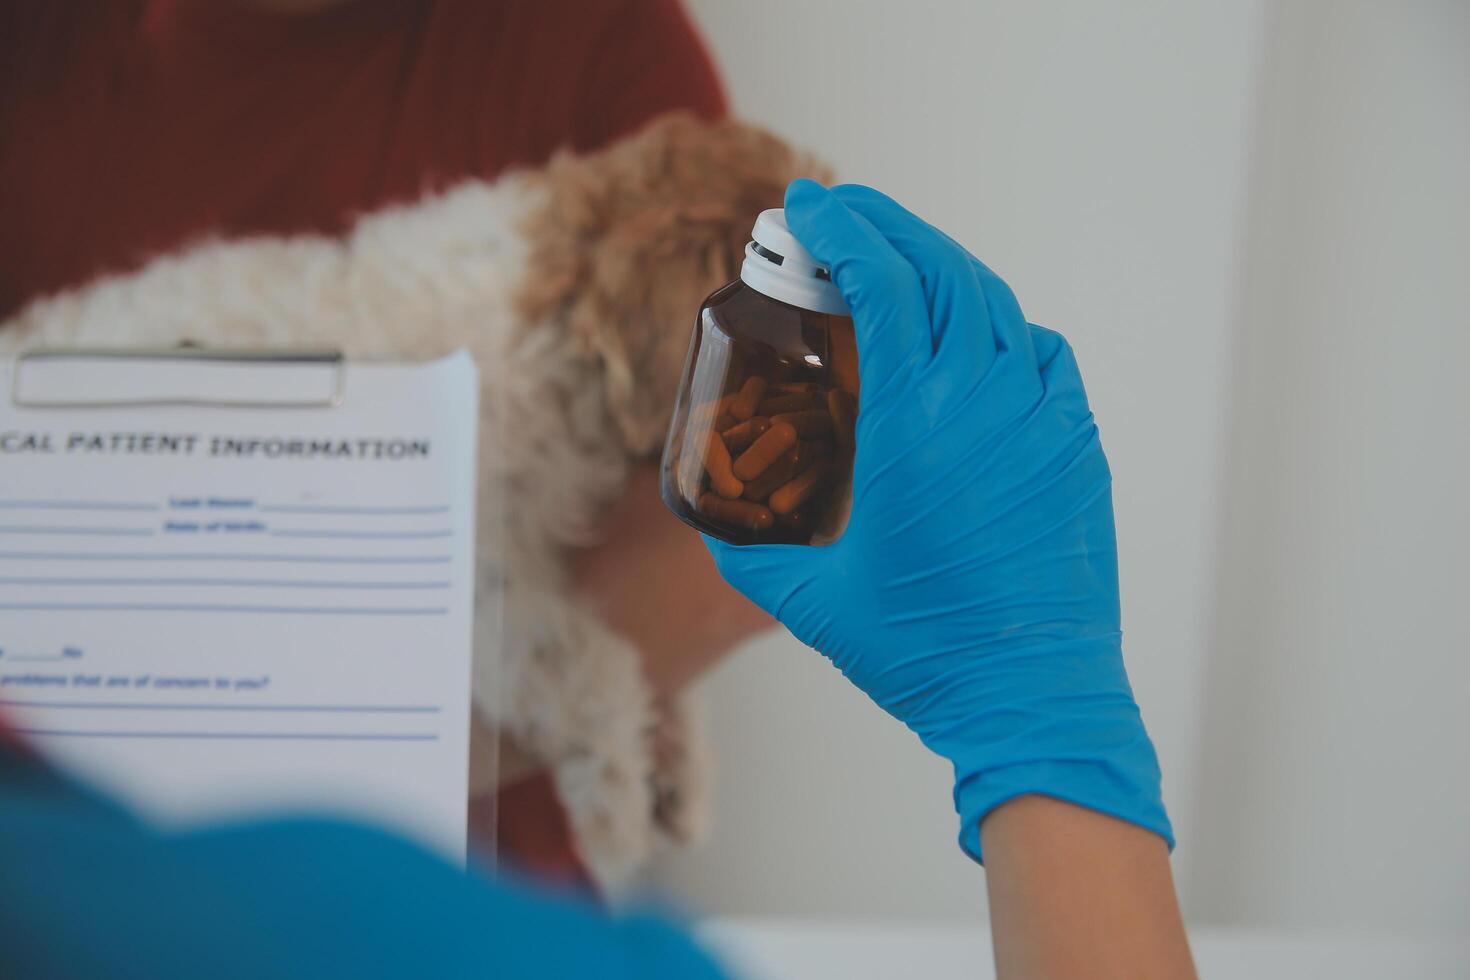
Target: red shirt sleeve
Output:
[
  {"x": 649, "y": 60},
  {"x": 130, "y": 127}
]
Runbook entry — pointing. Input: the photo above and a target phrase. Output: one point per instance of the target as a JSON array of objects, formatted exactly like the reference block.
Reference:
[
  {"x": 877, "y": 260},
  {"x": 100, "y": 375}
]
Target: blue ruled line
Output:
[
  {"x": 187, "y": 607},
  {"x": 268, "y": 736},
  {"x": 76, "y": 505},
  {"x": 324, "y": 509},
  {"x": 98, "y": 531},
  {"x": 385, "y": 535},
  {"x": 222, "y": 556},
  {"x": 248, "y": 583},
  {"x": 385, "y": 709}
]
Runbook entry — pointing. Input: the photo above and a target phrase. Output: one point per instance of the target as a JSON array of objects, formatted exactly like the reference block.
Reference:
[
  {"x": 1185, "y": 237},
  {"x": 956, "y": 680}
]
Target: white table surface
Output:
[{"x": 785, "y": 949}]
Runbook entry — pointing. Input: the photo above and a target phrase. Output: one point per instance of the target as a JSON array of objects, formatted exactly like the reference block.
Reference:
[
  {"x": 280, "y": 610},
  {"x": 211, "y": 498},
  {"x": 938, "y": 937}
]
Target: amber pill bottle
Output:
[{"x": 761, "y": 444}]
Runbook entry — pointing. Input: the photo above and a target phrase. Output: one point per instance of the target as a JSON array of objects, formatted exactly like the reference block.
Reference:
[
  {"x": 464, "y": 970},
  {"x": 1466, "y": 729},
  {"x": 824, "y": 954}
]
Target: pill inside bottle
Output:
[{"x": 761, "y": 445}]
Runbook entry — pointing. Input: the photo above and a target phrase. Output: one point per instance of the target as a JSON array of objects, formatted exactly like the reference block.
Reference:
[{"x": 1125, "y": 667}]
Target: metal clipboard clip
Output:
[{"x": 182, "y": 376}]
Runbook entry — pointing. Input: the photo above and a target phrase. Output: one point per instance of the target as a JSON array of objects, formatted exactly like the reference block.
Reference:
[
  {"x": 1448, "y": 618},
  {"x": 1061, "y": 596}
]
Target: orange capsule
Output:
[
  {"x": 842, "y": 406},
  {"x": 739, "y": 437},
  {"x": 741, "y": 513},
  {"x": 711, "y": 413},
  {"x": 801, "y": 489},
  {"x": 743, "y": 404},
  {"x": 777, "y": 475},
  {"x": 780, "y": 437},
  {"x": 717, "y": 465},
  {"x": 710, "y": 409},
  {"x": 815, "y": 422}
]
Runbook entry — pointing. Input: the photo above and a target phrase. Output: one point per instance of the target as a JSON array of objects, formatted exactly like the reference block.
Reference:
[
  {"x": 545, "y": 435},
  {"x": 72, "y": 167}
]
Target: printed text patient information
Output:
[{"x": 219, "y": 610}]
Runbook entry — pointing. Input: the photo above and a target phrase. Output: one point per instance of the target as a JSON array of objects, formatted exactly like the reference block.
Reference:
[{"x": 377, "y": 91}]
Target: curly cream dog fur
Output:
[{"x": 573, "y": 287}]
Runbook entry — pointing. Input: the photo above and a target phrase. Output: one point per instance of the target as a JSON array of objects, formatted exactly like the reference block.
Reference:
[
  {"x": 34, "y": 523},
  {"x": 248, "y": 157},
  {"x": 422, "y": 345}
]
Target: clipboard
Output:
[
  {"x": 184, "y": 376},
  {"x": 244, "y": 580}
]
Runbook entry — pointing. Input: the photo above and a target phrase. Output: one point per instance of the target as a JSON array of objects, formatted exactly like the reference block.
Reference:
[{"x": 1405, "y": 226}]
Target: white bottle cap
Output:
[{"x": 777, "y": 265}]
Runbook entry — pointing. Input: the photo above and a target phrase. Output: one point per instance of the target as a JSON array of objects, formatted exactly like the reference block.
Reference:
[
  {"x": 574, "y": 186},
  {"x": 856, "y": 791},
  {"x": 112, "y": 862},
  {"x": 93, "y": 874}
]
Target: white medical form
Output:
[{"x": 233, "y": 587}]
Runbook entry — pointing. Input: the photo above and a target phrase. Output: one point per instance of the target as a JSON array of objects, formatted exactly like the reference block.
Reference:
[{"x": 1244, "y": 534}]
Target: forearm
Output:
[
  {"x": 1081, "y": 895},
  {"x": 644, "y": 557}
]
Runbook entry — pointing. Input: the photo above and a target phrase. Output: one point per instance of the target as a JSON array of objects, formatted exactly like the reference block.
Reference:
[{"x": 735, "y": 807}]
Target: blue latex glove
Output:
[
  {"x": 88, "y": 891},
  {"x": 974, "y": 594}
]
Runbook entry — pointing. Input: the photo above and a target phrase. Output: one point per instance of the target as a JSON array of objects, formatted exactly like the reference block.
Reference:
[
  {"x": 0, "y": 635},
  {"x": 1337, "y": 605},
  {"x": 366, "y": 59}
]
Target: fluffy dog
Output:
[{"x": 574, "y": 287}]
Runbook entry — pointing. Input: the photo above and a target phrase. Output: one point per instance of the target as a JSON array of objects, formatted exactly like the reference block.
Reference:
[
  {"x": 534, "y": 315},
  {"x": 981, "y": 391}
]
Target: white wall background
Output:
[
  {"x": 1337, "y": 740},
  {"x": 1250, "y": 219}
]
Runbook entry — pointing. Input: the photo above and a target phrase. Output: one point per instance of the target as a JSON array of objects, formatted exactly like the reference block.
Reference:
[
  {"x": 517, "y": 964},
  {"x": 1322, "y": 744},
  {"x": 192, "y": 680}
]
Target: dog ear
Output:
[{"x": 631, "y": 239}]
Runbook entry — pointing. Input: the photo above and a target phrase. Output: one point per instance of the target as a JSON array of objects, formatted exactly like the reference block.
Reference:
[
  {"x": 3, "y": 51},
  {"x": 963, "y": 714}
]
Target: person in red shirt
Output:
[{"x": 129, "y": 128}]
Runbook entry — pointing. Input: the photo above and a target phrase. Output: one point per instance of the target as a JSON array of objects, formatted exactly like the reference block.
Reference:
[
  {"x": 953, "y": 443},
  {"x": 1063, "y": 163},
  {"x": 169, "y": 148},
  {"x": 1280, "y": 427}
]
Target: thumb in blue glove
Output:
[{"x": 974, "y": 594}]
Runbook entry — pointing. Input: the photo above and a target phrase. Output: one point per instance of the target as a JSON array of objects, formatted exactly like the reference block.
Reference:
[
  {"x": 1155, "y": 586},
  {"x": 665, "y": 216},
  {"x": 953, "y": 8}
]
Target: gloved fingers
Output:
[
  {"x": 981, "y": 334},
  {"x": 881, "y": 288},
  {"x": 1012, "y": 332},
  {"x": 766, "y": 574},
  {"x": 959, "y": 318},
  {"x": 1047, "y": 344},
  {"x": 1060, "y": 375}
]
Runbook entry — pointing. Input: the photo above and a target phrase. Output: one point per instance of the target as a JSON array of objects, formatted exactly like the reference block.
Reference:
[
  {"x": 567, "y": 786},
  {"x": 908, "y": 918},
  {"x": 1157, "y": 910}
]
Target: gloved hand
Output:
[{"x": 974, "y": 594}]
